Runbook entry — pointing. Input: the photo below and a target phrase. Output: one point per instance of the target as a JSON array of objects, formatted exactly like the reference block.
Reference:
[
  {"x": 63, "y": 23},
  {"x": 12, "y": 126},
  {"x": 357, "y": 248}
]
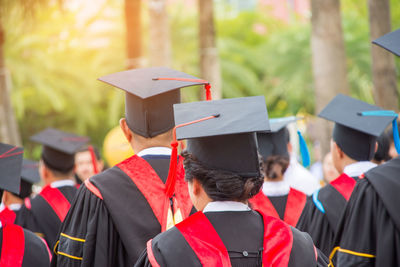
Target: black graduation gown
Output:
[
  {"x": 41, "y": 219},
  {"x": 242, "y": 234},
  {"x": 322, "y": 222},
  {"x": 369, "y": 232},
  {"x": 111, "y": 231},
  {"x": 35, "y": 251}
]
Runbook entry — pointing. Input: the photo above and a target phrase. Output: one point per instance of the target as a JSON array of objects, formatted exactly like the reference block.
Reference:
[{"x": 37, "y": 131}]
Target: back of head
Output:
[{"x": 221, "y": 185}]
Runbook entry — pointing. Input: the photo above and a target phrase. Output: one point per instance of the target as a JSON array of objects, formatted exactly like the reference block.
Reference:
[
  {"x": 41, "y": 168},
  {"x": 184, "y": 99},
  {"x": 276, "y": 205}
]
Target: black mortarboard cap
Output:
[
  {"x": 228, "y": 141},
  {"x": 59, "y": 148},
  {"x": 150, "y": 94},
  {"x": 274, "y": 143},
  {"x": 390, "y": 42},
  {"x": 10, "y": 167},
  {"x": 354, "y": 133}
]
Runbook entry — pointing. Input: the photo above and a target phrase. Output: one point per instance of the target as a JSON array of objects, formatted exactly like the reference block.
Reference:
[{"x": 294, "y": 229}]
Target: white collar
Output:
[
  {"x": 275, "y": 189},
  {"x": 358, "y": 168},
  {"x": 157, "y": 150},
  {"x": 14, "y": 206},
  {"x": 61, "y": 183},
  {"x": 2, "y": 207},
  {"x": 225, "y": 206}
]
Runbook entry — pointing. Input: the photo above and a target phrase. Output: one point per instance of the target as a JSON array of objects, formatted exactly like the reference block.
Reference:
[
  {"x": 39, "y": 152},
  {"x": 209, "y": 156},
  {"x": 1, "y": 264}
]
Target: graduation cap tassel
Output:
[
  {"x": 305, "y": 155},
  {"x": 170, "y": 184},
  {"x": 395, "y": 129},
  {"x": 208, "y": 91},
  {"x": 93, "y": 156},
  {"x": 396, "y": 137}
]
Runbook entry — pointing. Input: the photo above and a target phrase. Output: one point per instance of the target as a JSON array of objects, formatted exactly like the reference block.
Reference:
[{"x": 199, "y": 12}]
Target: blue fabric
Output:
[
  {"x": 387, "y": 113},
  {"x": 318, "y": 203},
  {"x": 305, "y": 155}
]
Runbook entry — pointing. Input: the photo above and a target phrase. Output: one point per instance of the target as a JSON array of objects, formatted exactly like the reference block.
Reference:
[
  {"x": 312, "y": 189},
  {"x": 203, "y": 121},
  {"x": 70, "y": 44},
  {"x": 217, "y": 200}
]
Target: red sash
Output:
[
  {"x": 209, "y": 248},
  {"x": 344, "y": 185},
  {"x": 57, "y": 201},
  {"x": 294, "y": 206},
  {"x": 153, "y": 189},
  {"x": 13, "y": 246},
  {"x": 7, "y": 216}
]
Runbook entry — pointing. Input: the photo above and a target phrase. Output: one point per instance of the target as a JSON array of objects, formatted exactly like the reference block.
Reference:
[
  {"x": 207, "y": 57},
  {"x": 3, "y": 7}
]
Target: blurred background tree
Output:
[{"x": 54, "y": 61}]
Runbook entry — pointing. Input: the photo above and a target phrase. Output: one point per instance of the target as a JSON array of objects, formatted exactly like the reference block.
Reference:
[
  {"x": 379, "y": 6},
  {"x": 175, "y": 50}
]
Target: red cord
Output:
[
  {"x": 94, "y": 161},
  {"x": 6, "y": 154}
]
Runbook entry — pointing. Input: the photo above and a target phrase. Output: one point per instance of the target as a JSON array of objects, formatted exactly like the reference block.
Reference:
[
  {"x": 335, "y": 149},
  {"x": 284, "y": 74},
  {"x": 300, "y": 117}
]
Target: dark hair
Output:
[
  {"x": 221, "y": 185},
  {"x": 271, "y": 162},
  {"x": 384, "y": 140}
]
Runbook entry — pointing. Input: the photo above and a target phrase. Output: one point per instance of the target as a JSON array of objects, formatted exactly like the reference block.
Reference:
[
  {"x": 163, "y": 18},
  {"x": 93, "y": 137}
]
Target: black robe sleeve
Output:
[
  {"x": 367, "y": 235},
  {"x": 88, "y": 236},
  {"x": 322, "y": 225}
]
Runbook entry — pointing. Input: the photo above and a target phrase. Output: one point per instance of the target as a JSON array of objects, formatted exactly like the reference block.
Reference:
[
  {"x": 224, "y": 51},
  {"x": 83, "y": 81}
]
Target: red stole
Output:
[
  {"x": 13, "y": 246},
  {"x": 344, "y": 184},
  {"x": 209, "y": 248},
  {"x": 294, "y": 206},
  {"x": 153, "y": 189},
  {"x": 7, "y": 216},
  {"x": 57, "y": 201}
]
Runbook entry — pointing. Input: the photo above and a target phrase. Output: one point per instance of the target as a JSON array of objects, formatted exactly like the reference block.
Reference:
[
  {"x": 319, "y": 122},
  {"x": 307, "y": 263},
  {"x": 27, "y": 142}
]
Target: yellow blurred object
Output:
[{"x": 115, "y": 147}]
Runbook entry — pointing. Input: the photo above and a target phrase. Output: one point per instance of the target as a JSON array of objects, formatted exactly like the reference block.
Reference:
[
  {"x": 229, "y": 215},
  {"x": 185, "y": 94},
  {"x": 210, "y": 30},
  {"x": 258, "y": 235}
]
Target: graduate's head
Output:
[
  {"x": 88, "y": 162},
  {"x": 149, "y": 96},
  {"x": 274, "y": 167},
  {"x": 10, "y": 168},
  {"x": 357, "y": 126},
  {"x": 209, "y": 184},
  {"x": 221, "y": 160},
  {"x": 139, "y": 142},
  {"x": 58, "y": 153}
]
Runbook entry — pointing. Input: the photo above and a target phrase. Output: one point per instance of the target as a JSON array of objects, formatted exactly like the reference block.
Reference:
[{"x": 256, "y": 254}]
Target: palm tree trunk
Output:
[
  {"x": 133, "y": 33},
  {"x": 328, "y": 59},
  {"x": 160, "y": 43},
  {"x": 9, "y": 132},
  {"x": 383, "y": 67},
  {"x": 209, "y": 59}
]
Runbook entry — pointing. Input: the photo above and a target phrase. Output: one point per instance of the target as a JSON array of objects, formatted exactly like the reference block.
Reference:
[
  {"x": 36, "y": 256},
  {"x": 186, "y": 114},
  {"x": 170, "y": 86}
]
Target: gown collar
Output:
[
  {"x": 61, "y": 183},
  {"x": 358, "y": 168},
  {"x": 217, "y": 206},
  {"x": 155, "y": 151},
  {"x": 275, "y": 189}
]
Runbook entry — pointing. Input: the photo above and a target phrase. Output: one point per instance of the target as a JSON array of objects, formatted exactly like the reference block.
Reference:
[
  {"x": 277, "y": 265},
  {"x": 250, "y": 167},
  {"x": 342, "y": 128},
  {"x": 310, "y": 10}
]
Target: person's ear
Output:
[
  {"x": 289, "y": 147},
  {"x": 44, "y": 172},
  {"x": 196, "y": 187},
  {"x": 376, "y": 146},
  {"x": 125, "y": 129}
]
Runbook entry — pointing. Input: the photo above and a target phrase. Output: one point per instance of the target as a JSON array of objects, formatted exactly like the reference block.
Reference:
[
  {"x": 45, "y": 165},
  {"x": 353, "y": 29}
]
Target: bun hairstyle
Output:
[
  {"x": 221, "y": 185},
  {"x": 275, "y": 166}
]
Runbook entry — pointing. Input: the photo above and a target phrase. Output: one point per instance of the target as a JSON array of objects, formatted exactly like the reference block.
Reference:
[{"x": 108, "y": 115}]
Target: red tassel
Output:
[
  {"x": 208, "y": 91},
  {"x": 94, "y": 161},
  {"x": 170, "y": 187}
]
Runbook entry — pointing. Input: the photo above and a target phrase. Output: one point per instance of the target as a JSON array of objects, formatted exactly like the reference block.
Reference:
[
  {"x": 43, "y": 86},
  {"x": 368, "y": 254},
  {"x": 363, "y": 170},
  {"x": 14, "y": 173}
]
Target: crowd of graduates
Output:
[{"x": 233, "y": 196}]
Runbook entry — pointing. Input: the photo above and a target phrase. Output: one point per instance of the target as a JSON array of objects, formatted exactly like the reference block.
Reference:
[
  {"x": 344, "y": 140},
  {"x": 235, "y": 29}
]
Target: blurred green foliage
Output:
[{"x": 54, "y": 60}]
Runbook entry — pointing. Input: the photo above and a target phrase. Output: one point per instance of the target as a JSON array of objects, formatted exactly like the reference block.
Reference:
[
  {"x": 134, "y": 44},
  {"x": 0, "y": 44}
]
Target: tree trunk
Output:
[
  {"x": 209, "y": 59},
  {"x": 328, "y": 59},
  {"x": 133, "y": 33},
  {"x": 160, "y": 43},
  {"x": 383, "y": 67},
  {"x": 9, "y": 132}
]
